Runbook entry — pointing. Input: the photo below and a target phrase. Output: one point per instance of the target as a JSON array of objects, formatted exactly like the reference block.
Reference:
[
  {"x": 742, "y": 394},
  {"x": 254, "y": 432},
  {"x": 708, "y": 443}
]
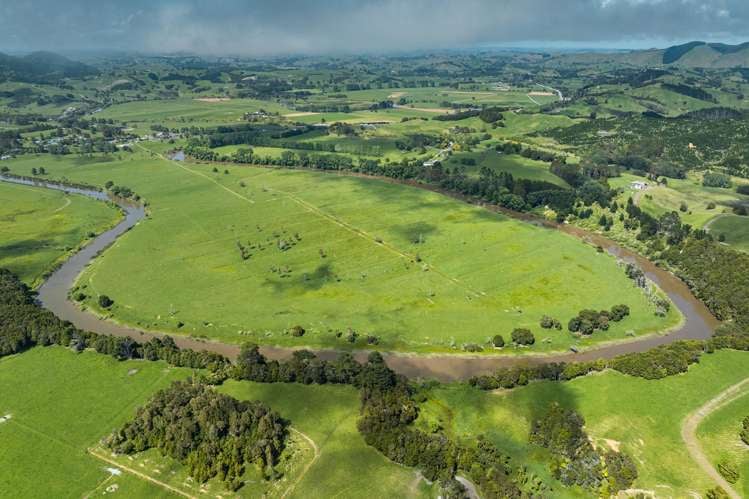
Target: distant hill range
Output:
[
  {"x": 41, "y": 67},
  {"x": 692, "y": 54}
]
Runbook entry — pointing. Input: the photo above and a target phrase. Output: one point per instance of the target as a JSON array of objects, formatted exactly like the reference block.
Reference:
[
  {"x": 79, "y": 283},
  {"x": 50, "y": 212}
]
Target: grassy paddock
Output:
[
  {"x": 40, "y": 227},
  {"x": 61, "y": 404},
  {"x": 640, "y": 417},
  {"x": 719, "y": 437},
  {"x": 346, "y": 467},
  {"x": 419, "y": 270},
  {"x": 735, "y": 229}
]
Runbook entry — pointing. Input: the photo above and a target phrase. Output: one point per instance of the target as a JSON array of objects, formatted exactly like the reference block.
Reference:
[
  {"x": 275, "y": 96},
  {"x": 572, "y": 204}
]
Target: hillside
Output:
[
  {"x": 41, "y": 67},
  {"x": 691, "y": 55}
]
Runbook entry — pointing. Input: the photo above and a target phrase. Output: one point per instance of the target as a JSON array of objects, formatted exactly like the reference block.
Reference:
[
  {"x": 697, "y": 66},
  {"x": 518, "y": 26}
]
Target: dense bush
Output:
[
  {"x": 105, "y": 301},
  {"x": 717, "y": 275},
  {"x": 522, "y": 336},
  {"x": 589, "y": 321},
  {"x": 549, "y": 323},
  {"x": 575, "y": 460},
  {"x": 713, "y": 179},
  {"x": 744, "y": 434},
  {"x": 209, "y": 432}
]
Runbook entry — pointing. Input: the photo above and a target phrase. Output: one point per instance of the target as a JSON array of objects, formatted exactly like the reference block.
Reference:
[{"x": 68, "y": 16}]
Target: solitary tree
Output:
[
  {"x": 105, "y": 301},
  {"x": 522, "y": 336}
]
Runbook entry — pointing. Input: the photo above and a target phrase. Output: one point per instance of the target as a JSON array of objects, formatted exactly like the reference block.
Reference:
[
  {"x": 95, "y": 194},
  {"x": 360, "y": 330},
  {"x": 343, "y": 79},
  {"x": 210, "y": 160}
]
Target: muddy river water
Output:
[{"x": 698, "y": 322}]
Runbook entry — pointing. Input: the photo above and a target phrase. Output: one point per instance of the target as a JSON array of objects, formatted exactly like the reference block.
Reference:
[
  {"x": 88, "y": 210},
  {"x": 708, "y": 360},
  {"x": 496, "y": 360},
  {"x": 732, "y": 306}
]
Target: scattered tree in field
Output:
[
  {"x": 550, "y": 323},
  {"x": 105, "y": 301},
  {"x": 498, "y": 341},
  {"x": 745, "y": 430},
  {"x": 522, "y": 336},
  {"x": 297, "y": 331}
]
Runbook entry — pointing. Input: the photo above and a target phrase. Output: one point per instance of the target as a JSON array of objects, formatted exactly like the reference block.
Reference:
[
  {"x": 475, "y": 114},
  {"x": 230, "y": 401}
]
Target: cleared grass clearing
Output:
[
  {"x": 719, "y": 438},
  {"x": 61, "y": 404},
  {"x": 181, "y": 112},
  {"x": 643, "y": 418},
  {"x": 346, "y": 467},
  {"x": 417, "y": 269},
  {"x": 661, "y": 199},
  {"x": 735, "y": 229},
  {"x": 41, "y": 227},
  {"x": 518, "y": 166}
]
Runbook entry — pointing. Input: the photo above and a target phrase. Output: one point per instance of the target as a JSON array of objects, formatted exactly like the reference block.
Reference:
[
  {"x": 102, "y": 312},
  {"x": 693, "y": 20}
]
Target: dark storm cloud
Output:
[{"x": 258, "y": 27}]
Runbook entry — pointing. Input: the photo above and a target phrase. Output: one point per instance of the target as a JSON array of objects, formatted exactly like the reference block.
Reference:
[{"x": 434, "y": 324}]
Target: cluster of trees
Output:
[
  {"x": 661, "y": 146},
  {"x": 717, "y": 275},
  {"x": 212, "y": 434},
  {"x": 523, "y": 336},
  {"x": 458, "y": 115},
  {"x": 589, "y": 321},
  {"x": 575, "y": 460},
  {"x": 714, "y": 179},
  {"x": 387, "y": 413},
  {"x": 120, "y": 191}
]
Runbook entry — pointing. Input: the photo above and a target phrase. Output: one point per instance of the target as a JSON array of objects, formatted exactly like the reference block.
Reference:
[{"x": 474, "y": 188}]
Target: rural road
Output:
[
  {"x": 689, "y": 429},
  {"x": 698, "y": 322}
]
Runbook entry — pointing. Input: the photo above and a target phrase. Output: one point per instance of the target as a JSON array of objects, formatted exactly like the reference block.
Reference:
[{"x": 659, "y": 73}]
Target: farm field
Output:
[
  {"x": 186, "y": 111},
  {"x": 66, "y": 404},
  {"x": 346, "y": 466},
  {"x": 659, "y": 199},
  {"x": 41, "y": 227},
  {"x": 416, "y": 270},
  {"x": 518, "y": 166},
  {"x": 641, "y": 417},
  {"x": 734, "y": 228},
  {"x": 719, "y": 437}
]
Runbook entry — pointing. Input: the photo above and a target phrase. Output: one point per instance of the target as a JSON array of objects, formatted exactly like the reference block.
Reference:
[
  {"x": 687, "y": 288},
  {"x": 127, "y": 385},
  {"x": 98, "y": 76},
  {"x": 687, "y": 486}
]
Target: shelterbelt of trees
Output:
[{"x": 389, "y": 405}]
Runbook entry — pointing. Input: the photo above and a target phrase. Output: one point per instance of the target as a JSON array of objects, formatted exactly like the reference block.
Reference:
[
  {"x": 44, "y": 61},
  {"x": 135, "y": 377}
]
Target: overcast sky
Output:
[{"x": 269, "y": 27}]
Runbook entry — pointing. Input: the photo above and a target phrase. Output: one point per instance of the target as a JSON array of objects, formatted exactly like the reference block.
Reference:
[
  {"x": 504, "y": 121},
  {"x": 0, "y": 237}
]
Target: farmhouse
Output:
[{"x": 639, "y": 185}]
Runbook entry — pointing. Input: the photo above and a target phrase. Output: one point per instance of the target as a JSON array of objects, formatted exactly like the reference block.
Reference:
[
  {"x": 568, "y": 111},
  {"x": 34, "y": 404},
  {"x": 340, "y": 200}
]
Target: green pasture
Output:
[
  {"x": 657, "y": 200},
  {"x": 418, "y": 270},
  {"x": 346, "y": 466},
  {"x": 60, "y": 404},
  {"x": 719, "y": 438},
  {"x": 735, "y": 228},
  {"x": 518, "y": 166},
  {"x": 40, "y": 227},
  {"x": 186, "y": 111},
  {"x": 640, "y": 417}
]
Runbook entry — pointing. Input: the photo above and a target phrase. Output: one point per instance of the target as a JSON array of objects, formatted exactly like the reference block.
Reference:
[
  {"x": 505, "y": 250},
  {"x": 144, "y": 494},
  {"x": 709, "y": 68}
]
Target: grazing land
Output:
[
  {"x": 60, "y": 404},
  {"x": 41, "y": 227},
  {"x": 346, "y": 466},
  {"x": 331, "y": 253},
  {"x": 640, "y": 417},
  {"x": 369, "y": 202},
  {"x": 734, "y": 229},
  {"x": 718, "y": 436}
]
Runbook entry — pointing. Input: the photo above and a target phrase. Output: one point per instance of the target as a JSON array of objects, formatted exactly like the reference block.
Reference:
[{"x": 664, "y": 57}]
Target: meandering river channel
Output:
[{"x": 698, "y": 322}]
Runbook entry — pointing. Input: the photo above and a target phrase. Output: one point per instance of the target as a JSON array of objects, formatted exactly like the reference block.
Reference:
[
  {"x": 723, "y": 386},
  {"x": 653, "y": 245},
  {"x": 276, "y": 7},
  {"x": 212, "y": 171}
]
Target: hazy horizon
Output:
[{"x": 299, "y": 27}]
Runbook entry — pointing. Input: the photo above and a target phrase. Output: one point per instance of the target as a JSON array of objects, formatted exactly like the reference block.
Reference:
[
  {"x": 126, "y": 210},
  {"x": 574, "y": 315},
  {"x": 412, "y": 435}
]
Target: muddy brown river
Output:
[{"x": 698, "y": 322}]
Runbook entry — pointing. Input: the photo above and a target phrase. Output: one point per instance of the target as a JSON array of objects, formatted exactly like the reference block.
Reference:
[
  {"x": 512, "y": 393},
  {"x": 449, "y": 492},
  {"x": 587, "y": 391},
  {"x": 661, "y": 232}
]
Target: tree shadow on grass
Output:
[
  {"x": 23, "y": 247},
  {"x": 322, "y": 275}
]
